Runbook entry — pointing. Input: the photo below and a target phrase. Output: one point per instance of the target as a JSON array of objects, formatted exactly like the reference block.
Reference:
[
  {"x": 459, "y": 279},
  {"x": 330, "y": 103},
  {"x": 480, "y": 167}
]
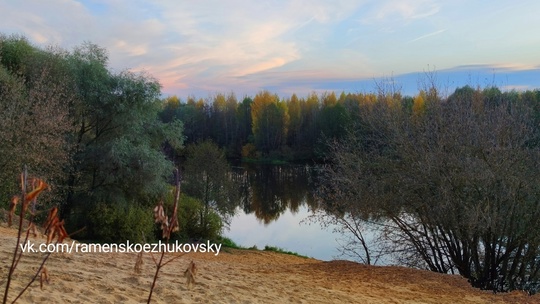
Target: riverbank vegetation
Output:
[{"x": 451, "y": 184}]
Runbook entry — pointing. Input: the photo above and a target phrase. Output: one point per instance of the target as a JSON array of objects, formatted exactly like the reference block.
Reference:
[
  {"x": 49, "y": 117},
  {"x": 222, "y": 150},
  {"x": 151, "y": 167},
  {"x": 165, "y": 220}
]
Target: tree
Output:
[
  {"x": 333, "y": 121},
  {"x": 243, "y": 113},
  {"x": 207, "y": 178},
  {"x": 117, "y": 135},
  {"x": 295, "y": 121},
  {"x": 224, "y": 122},
  {"x": 310, "y": 109},
  {"x": 34, "y": 115},
  {"x": 456, "y": 188},
  {"x": 94, "y": 133},
  {"x": 270, "y": 120}
]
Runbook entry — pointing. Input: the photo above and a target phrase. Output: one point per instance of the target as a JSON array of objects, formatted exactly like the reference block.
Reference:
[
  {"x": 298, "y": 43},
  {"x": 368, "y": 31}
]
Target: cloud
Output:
[
  {"x": 428, "y": 35},
  {"x": 405, "y": 10},
  {"x": 243, "y": 46},
  {"x": 244, "y": 41},
  {"x": 33, "y": 19},
  {"x": 514, "y": 67}
]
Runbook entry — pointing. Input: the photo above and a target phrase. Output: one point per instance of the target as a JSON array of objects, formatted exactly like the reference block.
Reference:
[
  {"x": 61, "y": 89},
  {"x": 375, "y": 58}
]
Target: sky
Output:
[{"x": 200, "y": 48}]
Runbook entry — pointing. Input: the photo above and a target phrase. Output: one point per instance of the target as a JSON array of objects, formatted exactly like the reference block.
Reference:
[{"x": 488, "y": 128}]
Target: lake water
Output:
[{"x": 276, "y": 202}]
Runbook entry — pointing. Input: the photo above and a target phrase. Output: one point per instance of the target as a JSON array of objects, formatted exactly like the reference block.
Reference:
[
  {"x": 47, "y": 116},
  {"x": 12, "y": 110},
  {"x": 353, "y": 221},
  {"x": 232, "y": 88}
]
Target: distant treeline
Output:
[{"x": 266, "y": 127}]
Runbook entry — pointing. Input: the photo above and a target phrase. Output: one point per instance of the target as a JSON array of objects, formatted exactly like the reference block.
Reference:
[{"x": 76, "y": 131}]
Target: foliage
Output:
[
  {"x": 249, "y": 151},
  {"x": 118, "y": 136},
  {"x": 291, "y": 129},
  {"x": 34, "y": 115},
  {"x": 191, "y": 225},
  {"x": 270, "y": 121},
  {"x": 96, "y": 134},
  {"x": 112, "y": 223},
  {"x": 206, "y": 178},
  {"x": 455, "y": 186},
  {"x": 228, "y": 243}
]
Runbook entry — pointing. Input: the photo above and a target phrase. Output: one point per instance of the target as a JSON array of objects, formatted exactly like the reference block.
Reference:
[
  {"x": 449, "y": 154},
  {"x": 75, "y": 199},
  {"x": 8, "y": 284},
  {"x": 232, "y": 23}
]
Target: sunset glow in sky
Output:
[{"x": 204, "y": 47}]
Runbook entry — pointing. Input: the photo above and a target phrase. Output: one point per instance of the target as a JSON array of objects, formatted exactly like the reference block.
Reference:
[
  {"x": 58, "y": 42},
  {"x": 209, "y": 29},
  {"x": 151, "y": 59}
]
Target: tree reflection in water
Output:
[{"x": 269, "y": 190}]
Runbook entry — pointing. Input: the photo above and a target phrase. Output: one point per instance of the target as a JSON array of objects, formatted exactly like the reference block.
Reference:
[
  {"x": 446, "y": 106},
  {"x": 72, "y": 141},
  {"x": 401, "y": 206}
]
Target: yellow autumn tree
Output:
[
  {"x": 419, "y": 104},
  {"x": 270, "y": 120}
]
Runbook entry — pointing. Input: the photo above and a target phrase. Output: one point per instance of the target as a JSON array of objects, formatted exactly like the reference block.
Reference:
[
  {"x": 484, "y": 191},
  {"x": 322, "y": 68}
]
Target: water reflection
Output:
[
  {"x": 269, "y": 190},
  {"x": 289, "y": 232},
  {"x": 275, "y": 201}
]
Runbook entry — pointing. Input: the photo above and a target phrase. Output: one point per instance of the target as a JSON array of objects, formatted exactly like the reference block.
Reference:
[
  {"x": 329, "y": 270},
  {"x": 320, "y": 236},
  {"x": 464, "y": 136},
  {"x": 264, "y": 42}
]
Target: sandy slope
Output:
[{"x": 236, "y": 276}]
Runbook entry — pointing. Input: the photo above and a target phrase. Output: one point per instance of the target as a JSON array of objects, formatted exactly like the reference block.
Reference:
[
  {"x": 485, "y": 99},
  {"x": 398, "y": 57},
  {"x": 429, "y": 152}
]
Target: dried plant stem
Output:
[
  {"x": 27, "y": 200},
  {"x": 158, "y": 268},
  {"x": 15, "y": 259},
  {"x": 170, "y": 227},
  {"x": 38, "y": 272}
]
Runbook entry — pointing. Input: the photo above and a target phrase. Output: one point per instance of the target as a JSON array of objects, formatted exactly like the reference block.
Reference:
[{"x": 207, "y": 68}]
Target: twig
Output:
[
  {"x": 15, "y": 253},
  {"x": 38, "y": 272},
  {"x": 171, "y": 226}
]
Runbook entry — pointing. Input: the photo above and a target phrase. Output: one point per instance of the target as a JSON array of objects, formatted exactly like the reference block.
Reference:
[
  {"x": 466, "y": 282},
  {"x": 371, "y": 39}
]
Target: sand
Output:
[{"x": 234, "y": 276}]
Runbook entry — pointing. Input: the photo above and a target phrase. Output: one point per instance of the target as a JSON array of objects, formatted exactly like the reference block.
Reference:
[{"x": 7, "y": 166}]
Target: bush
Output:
[
  {"x": 115, "y": 224},
  {"x": 189, "y": 217},
  {"x": 228, "y": 243}
]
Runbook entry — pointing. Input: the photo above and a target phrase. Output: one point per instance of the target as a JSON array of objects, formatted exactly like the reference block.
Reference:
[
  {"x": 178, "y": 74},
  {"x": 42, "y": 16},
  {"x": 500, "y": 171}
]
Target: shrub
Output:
[
  {"x": 113, "y": 224},
  {"x": 189, "y": 217}
]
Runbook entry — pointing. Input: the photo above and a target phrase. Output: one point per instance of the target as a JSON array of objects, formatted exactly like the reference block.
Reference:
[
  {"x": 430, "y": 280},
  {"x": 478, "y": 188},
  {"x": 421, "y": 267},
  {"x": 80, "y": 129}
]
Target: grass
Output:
[
  {"x": 230, "y": 244},
  {"x": 281, "y": 250}
]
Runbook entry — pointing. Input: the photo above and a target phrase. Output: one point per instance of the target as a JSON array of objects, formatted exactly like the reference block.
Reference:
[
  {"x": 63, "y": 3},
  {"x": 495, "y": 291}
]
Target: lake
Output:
[{"x": 275, "y": 206}]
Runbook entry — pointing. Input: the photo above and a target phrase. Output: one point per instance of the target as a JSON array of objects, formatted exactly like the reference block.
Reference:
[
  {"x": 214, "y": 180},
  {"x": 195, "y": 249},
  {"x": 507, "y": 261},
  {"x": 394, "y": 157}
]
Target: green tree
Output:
[
  {"x": 243, "y": 112},
  {"x": 333, "y": 121},
  {"x": 191, "y": 226},
  {"x": 295, "y": 121},
  {"x": 310, "y": 109},
  {"x": 118, "y": 136},
  {"x": 207, "y": 177}
]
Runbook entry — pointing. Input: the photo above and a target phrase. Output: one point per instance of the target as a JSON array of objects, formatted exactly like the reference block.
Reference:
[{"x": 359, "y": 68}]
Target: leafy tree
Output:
[
  {"x": 206, "y": 177},
  {"x": 170, "y": 109},
  {"x": 329, "y": 99},
  {"x": 243, "y": 113},
  {"x": 94, "y": 133},
  {"x": 224, "y": 122},
  {"x": 333, "y": 121},
  {"x": 118, "y": 136},
  {"x": 191, "y": 226},
  {"x": 295, "y": 121},
  {"x": 34, "y": 115},
  {"x": 309, "y": 135},
  {"x": 270, "y": 121}
]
